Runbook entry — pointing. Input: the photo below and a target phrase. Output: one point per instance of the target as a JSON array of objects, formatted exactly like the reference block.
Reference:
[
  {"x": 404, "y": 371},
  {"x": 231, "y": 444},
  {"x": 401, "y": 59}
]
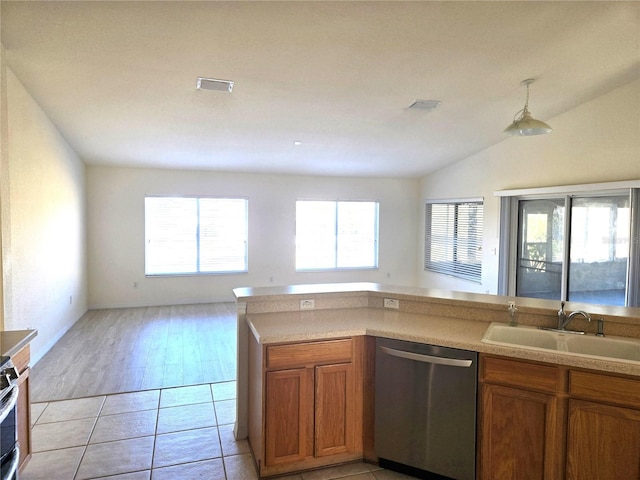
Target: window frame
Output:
[
  {"x": 198, "y": 239},
  {"x": 336, "y": 267},
  {"x": 509, "y": 226},
  {"x": 461, "y": 270}
]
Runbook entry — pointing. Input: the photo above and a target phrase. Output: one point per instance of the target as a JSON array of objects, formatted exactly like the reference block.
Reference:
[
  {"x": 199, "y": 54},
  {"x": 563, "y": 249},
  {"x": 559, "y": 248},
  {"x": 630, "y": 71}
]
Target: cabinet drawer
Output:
[
  {"x": 311, "y": 353},
  {"x": 605, "y": 388},
  {"x": 530, "y": 376}
]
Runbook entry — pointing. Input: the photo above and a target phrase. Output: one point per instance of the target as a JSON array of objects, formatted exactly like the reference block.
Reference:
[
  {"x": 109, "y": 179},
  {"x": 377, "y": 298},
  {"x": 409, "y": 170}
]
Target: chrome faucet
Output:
[
  {"x": 564, "y": 319},
  {"x": 586, "y": 316}
]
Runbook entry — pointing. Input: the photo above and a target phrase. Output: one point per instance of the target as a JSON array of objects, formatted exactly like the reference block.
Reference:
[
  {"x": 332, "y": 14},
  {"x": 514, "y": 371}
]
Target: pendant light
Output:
[{"x": 523, "y": 123}]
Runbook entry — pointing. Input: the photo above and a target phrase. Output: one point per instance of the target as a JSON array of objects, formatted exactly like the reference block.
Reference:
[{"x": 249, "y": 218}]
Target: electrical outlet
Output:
[
  {"x": 392, "y": 303},
  {"x": 308, "y": 304}
]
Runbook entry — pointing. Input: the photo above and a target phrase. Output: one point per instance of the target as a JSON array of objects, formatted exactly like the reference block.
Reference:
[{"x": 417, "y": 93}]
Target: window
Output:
[
  {"x": 573, "y": 246},
  {"x": 190, "y": 235},
  {"x": 334, "y": 235},
  {"x": 453, "y": 238}
]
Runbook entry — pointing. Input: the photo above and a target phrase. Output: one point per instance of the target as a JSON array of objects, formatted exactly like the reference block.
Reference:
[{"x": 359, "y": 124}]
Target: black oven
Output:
[{"x": 9, "y": 452}]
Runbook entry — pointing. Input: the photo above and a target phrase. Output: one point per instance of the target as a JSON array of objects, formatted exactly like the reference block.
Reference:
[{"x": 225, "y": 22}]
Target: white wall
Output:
[
  {"x": 43, "y": 223},
  {"x": 4, "y": 162},
  {"x": 598, "y": 141},
  {"x": 115, "y": 203}
]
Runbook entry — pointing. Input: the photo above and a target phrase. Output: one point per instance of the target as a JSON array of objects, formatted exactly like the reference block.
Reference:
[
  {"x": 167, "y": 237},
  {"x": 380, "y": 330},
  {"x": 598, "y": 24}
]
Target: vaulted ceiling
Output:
[{"x": 119, "y": 78}]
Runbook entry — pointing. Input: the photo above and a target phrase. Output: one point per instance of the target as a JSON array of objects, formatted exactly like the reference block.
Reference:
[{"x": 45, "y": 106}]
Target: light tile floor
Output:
[{"x": 180, "y": 433}]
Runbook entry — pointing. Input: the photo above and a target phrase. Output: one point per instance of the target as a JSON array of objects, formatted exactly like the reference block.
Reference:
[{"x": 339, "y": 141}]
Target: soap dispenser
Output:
[{"x": 513, "y": 311}]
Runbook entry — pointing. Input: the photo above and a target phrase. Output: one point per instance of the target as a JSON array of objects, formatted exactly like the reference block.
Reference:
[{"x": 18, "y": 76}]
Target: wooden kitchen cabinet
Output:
[
  {"x": 305, "y": 404},
  {"x": 541, "y": 421},
  {"x": 521, "y": 420},
  {"x": 603, "y": 427},
  {"x": 21, "y": 361},
  {"x": 288, "y": 416},
  {"x": 334, "y": 408}
]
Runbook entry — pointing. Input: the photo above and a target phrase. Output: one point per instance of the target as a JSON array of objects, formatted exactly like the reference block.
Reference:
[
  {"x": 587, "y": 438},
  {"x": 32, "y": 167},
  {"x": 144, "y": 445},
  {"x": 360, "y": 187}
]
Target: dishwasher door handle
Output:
[{"x": 452, "y": 362}]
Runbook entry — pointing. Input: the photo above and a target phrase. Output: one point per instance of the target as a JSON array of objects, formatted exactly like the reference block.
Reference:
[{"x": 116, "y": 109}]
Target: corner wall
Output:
[
  {"x": 43, "y": 224},
  {"x": 116, "y": 232},
  {"x": 598, "y": 141}
]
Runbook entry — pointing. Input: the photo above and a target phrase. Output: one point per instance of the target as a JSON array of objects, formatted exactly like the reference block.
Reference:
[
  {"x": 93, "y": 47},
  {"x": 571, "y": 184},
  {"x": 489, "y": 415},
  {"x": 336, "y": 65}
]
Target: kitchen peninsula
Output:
[{"x": 305, "y": 314}]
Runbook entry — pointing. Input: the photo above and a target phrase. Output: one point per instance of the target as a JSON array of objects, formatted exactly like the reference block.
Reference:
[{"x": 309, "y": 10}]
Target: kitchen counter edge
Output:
[
  {"x": 302, "y": 326},
  {"x": 12, "y": 341}
]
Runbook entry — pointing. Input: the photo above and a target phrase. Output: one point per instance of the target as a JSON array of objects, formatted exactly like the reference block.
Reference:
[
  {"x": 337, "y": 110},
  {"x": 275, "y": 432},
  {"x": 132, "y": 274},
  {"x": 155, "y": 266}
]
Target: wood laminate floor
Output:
[{"x": 133, "y": 349}]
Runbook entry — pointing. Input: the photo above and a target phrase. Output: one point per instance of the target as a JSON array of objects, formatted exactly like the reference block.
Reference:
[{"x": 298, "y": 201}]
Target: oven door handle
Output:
[
  {"x": 10, "y": 469},
  {"x": 9, "y": 402}
]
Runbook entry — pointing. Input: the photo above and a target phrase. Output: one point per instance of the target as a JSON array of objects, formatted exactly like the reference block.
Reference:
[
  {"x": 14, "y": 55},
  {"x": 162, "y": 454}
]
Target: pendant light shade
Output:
[{"x": 523, "y": 123}]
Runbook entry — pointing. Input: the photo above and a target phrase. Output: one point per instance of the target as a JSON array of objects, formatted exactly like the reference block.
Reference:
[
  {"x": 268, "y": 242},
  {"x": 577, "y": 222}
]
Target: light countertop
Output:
[
  {"x": 12, "y": 341},
  {"x": 300, "y": 326}
]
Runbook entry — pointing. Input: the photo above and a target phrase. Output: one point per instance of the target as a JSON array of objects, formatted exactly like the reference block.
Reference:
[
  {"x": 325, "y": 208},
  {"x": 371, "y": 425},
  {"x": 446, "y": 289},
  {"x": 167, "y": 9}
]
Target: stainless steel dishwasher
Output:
[{"x": 425, "y": 409}]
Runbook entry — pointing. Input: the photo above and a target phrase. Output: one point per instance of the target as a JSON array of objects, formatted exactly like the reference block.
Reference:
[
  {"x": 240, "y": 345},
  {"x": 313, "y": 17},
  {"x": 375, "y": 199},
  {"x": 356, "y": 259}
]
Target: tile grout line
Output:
[
  {"x": 84, "y": 450},
  {"x": 215, "y": 412},
  {"x": 155, "y": 435}
]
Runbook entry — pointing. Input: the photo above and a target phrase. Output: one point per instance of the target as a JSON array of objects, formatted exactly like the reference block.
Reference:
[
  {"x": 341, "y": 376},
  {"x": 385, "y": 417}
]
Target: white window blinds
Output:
[{"x": 453, "y": 239}]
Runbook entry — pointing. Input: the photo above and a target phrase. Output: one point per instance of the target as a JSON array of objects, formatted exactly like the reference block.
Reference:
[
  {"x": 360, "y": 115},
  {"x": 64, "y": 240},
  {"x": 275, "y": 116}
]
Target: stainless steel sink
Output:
[{"x": 610, "y": 347}]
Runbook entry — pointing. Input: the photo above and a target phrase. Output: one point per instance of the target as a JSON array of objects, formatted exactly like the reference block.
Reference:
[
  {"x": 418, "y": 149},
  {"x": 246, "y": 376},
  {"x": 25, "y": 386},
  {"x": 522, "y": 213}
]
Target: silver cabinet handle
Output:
[{"x": 453, "y": 362}]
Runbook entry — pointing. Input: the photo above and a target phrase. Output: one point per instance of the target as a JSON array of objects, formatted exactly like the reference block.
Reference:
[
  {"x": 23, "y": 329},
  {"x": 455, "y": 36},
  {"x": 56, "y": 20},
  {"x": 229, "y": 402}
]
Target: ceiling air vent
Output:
[
  {"x": 213, "y": 84},
  {"x": 426, "y": 105}
]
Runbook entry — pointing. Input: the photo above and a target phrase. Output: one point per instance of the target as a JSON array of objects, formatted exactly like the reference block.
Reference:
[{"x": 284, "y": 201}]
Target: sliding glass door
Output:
[
  {"x": 574, "y": 248},
  {"x": 540, "y": 248},
  {"x": 599, "y": 250}
]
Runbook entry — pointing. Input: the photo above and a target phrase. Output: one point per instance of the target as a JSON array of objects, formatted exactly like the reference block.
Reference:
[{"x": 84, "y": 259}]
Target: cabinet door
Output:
[
  {"x": 603, "y": 442},
  {"x": 521, "y": 435},
  {"x": 335, "y": 410},
  {"x": 289, "y": 416}
]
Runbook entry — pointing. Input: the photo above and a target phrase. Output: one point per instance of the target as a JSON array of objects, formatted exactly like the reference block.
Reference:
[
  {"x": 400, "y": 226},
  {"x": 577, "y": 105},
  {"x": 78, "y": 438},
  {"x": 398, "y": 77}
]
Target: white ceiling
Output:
[{"x": 119, "y": 78}]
